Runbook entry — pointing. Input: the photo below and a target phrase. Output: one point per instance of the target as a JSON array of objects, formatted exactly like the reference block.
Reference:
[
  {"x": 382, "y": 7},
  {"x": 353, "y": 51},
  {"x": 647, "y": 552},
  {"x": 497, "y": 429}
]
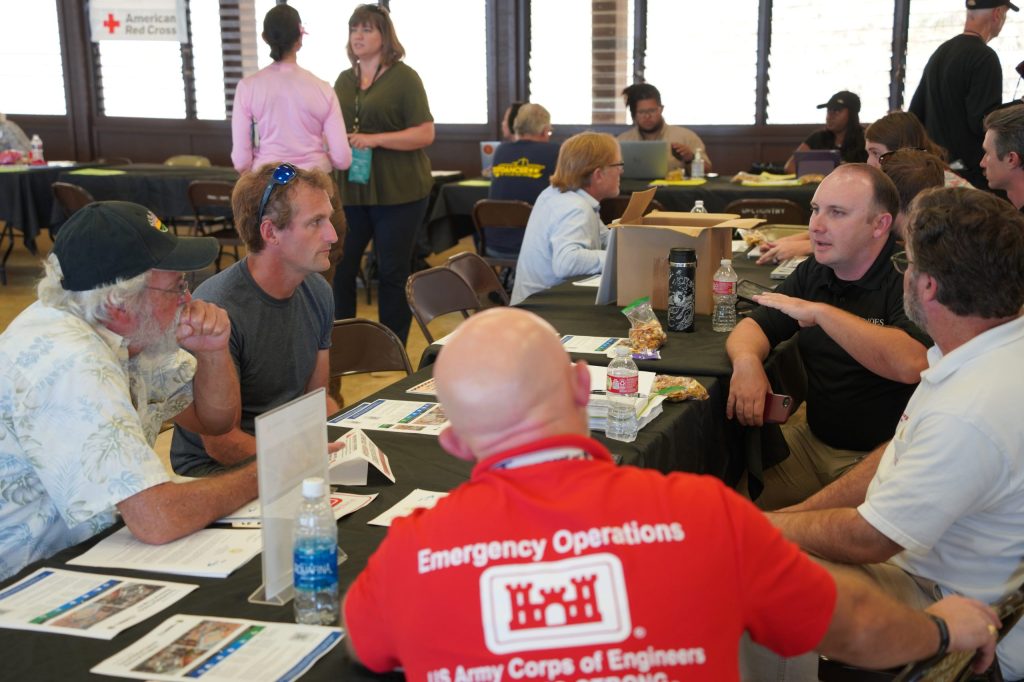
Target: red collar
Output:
[{"x": 588, "y": 445}]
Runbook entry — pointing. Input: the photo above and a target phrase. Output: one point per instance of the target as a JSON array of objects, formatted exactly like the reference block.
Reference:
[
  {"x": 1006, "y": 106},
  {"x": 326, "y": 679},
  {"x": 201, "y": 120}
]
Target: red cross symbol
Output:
[{"x": 111, "y": 23}]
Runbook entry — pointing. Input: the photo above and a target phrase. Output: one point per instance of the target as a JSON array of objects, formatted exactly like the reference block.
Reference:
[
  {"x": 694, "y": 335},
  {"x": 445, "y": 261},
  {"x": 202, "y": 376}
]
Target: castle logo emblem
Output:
[{"x": 573, "y": 602}]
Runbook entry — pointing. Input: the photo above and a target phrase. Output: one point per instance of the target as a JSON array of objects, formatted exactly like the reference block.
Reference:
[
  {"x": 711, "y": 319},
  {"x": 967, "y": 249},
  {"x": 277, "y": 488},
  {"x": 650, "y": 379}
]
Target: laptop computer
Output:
[
  {"x": 821, "y": 161},
  {"x": 487, "y": 149},
  {"x": 644, "y": 160}
]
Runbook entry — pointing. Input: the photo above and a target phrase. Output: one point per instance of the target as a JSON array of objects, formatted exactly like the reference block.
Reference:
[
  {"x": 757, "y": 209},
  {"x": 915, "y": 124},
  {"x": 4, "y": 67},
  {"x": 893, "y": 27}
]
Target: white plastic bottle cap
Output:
[
  {"x": 726, "y": 261},
  {"x": 313, "y": 487}
]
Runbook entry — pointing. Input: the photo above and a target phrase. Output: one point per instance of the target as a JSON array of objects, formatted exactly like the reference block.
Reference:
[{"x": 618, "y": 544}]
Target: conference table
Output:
[
  {"x": 451, "y": 217},
  {"x": 160, "y": 188},
  {"x": 26, "y": 203},
  {"x": 676, "y": 440},
  {"x": 690, "y": 436}
]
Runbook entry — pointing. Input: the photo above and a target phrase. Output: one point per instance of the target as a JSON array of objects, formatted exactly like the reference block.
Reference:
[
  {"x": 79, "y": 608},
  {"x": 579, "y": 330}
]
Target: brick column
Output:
[{"x": 611, "y": 60}]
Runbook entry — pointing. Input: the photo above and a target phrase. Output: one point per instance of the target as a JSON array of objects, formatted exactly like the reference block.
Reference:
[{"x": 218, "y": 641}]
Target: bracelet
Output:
[{"x": 943, "y": 635}]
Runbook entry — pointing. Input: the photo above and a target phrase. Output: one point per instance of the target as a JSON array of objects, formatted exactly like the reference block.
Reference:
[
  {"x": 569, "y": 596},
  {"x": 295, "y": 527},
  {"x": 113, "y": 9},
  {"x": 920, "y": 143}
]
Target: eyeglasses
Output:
[
  {"x": 181, "y": 290},
  {"x": 900, "y": 261},
  {"x": 882, "y": 158},
  {"x": 282, "y": 175},
  {"x": 620, "y": 164},
  {"x": 648, "y": 112}
]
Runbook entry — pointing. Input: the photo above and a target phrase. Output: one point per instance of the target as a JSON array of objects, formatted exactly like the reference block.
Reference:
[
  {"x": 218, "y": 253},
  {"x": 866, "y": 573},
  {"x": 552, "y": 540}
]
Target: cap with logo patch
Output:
[{"x": 110, "y": 240}]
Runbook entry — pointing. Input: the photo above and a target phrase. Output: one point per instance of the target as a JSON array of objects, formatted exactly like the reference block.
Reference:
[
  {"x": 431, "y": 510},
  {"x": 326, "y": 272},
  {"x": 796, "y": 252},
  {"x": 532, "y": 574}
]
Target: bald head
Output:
[{"x": 504, "y": 380}]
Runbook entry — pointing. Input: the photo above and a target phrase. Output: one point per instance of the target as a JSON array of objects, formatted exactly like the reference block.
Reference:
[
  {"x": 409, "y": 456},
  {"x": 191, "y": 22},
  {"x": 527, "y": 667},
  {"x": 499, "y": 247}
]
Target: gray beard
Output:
[{"x": 153, "y": 340}]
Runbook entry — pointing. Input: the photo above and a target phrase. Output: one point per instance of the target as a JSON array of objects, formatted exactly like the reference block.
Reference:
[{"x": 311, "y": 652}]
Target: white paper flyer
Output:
[{"x": 84, "y": 604}]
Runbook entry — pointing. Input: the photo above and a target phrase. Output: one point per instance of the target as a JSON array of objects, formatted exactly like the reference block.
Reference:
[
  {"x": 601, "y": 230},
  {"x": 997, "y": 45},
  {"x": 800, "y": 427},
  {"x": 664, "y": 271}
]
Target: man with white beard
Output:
[
  {"x": 939, "y": 510},
  {"x": 114, "y": 346}
]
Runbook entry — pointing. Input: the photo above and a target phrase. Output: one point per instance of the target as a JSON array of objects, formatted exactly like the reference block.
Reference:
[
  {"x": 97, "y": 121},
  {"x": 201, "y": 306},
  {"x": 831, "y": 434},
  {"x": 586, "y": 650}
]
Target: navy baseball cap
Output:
[
  {"x": 990, "y": 4},
  {"x": 110, "y": 240}
]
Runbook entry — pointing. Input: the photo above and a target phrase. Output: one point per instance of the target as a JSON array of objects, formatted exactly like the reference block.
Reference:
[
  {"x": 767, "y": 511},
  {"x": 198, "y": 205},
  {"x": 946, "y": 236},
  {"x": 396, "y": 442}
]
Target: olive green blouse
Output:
[{"x": 395, "y": 101}]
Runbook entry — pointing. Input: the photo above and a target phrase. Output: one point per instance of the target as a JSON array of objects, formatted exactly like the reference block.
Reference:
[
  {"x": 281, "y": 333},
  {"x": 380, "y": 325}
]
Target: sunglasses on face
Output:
[{"x": 282, "y": 175}]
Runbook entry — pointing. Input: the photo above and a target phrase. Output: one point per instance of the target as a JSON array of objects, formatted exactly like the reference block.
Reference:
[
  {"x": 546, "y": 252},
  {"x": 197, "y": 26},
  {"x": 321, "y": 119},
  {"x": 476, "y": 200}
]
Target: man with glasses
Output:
[
  {"x": 861, "y": 353},
  {"x": 565, "y": 236},
  {"x": 1003, "y": 162},
  {"x": 88, "y": 374},
  {"x": 281, "y": 307},
  {"x": 645, "y": 107},
  {"x": 939, "y": 509}
]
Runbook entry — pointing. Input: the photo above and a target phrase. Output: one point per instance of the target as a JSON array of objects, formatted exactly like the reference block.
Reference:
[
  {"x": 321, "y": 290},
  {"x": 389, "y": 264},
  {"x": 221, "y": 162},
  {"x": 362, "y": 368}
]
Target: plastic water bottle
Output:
[
  {"x": 35, "y": 154},
  {"x": 698, "y": 207},
  {"x": 315, "y": 557},
  {"x": 697, "y": 165},
  {"x": 621, "y": 391},
  {"x": 724, "y": 289}
]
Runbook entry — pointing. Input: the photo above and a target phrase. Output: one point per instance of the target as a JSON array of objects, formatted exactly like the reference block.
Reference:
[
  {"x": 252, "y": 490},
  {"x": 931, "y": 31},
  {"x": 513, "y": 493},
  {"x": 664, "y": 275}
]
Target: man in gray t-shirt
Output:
[{"x": 281, "y": 308}]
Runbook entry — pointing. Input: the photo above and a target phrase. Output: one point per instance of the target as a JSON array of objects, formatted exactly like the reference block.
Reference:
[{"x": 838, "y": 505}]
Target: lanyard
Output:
[{"x": 359, "y": 92}]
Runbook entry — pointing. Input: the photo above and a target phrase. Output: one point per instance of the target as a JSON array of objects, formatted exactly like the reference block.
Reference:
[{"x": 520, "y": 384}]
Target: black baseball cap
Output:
[
  {"x": 844, "y": 99},
  {"x": 989, "y": 4},
  {"x": 110, "y": 240}
]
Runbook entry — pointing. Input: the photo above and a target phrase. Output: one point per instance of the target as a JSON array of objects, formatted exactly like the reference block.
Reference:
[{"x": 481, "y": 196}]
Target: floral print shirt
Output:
[{"x": 78, "y": 419}]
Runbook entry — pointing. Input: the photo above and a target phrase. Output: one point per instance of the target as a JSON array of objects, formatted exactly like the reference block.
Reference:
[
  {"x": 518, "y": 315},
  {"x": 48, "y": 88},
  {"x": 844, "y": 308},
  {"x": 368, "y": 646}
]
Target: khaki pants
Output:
[
  {"x": 758, "y": 664},
  {"x": 811, "y": 466}
]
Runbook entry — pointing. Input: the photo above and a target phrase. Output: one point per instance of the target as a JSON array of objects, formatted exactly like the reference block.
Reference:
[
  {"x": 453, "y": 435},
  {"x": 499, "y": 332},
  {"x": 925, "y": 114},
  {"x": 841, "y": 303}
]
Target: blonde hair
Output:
[
  {"x": 531, "y": 119},
  {"x": 580, "y": 156}
]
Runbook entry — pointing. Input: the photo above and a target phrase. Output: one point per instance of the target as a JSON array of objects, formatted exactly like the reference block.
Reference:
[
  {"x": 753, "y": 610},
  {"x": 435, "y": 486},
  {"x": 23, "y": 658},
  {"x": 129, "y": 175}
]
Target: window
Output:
[
  {"x": 455, "y": 95},
  {"x": 142, "y": 78},
  {"x": 931, "y": 26},
  {"x": 579, "y": 62},
  {"x": 323, "y": 46},
  {"x": 446, "y": 42},
  {"x": 207, "y": 59},
  {"x": 820, "y": 48},
  {"x": 703, "y": 78},
  {"x": 31, "y": 37}
]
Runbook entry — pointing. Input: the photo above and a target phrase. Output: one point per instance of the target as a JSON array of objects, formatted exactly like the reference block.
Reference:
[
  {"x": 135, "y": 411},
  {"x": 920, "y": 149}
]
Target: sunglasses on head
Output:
[{"x": 282, "y": 175}]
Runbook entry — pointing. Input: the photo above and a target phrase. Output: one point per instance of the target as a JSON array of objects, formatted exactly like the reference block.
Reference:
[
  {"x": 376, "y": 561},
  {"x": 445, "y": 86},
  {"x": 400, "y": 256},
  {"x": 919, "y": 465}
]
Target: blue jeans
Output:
[{"x": 393, "y": 231}]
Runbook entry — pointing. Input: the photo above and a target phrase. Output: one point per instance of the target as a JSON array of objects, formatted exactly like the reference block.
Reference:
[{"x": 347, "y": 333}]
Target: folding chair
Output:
[
  {"x": 359, "y": 346},
  {"x": 480, "y": 277},
  {"x": 773, "y": 210},
  {"x": 187, "y": 160},
  {"x": 70, "y": 197},
  {"x": 437, "y": 291},
  {"x": 211, "y": 206},
  {"x": 612, "y": 208}
]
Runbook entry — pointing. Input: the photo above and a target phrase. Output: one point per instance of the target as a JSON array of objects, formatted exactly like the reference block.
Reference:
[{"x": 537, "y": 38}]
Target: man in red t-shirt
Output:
[{"x": 552, "y": 563}]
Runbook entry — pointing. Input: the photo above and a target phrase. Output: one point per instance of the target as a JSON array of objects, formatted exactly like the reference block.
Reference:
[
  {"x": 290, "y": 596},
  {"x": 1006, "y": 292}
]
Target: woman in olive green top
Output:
[{"x": 385, "y": 107}]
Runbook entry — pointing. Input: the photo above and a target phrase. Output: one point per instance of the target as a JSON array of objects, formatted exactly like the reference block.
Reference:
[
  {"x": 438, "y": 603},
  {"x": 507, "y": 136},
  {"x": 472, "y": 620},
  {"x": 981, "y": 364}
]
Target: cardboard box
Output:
[{"x": 643, "y": 243}]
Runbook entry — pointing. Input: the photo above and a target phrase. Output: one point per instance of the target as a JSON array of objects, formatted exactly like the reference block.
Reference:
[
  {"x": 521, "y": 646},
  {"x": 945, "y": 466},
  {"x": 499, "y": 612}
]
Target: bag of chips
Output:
[{"x": 645, "y": 331}]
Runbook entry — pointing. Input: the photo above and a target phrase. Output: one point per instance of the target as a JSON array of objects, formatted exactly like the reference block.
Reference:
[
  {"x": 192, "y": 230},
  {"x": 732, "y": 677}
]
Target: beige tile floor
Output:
[{"x": 23, "y": 271}]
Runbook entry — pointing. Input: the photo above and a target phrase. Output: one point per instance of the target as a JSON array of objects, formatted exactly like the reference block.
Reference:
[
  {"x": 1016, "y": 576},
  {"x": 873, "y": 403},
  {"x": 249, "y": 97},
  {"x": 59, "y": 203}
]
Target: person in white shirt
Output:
[
  {"x": 939, "y": 510},
  {"x": 565, "y": 236}
]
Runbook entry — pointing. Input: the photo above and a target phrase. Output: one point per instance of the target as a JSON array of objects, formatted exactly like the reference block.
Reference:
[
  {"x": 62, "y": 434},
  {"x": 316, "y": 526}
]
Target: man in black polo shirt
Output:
[{"x": 862, "y": 355}]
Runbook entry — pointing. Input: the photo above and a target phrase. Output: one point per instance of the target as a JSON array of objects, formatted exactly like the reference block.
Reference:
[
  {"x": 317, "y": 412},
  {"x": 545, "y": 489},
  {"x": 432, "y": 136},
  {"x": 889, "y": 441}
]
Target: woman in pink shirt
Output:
[{"x": 285, "y": 113}]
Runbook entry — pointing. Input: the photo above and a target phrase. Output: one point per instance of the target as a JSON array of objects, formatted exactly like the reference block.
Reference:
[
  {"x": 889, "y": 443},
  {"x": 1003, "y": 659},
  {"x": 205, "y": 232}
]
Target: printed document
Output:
[
  {"x": 394, "y": 415},
  {"x": 350, "y": 465},
  {"x": 84, "y": 604},
  {"x": 249, "y": 516},
  {"x": 210, "y": 553},
  {"x": 186, "y": 647},
  {"x": 594, "y": 345},
  {"x": 417, "y": 499}
]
